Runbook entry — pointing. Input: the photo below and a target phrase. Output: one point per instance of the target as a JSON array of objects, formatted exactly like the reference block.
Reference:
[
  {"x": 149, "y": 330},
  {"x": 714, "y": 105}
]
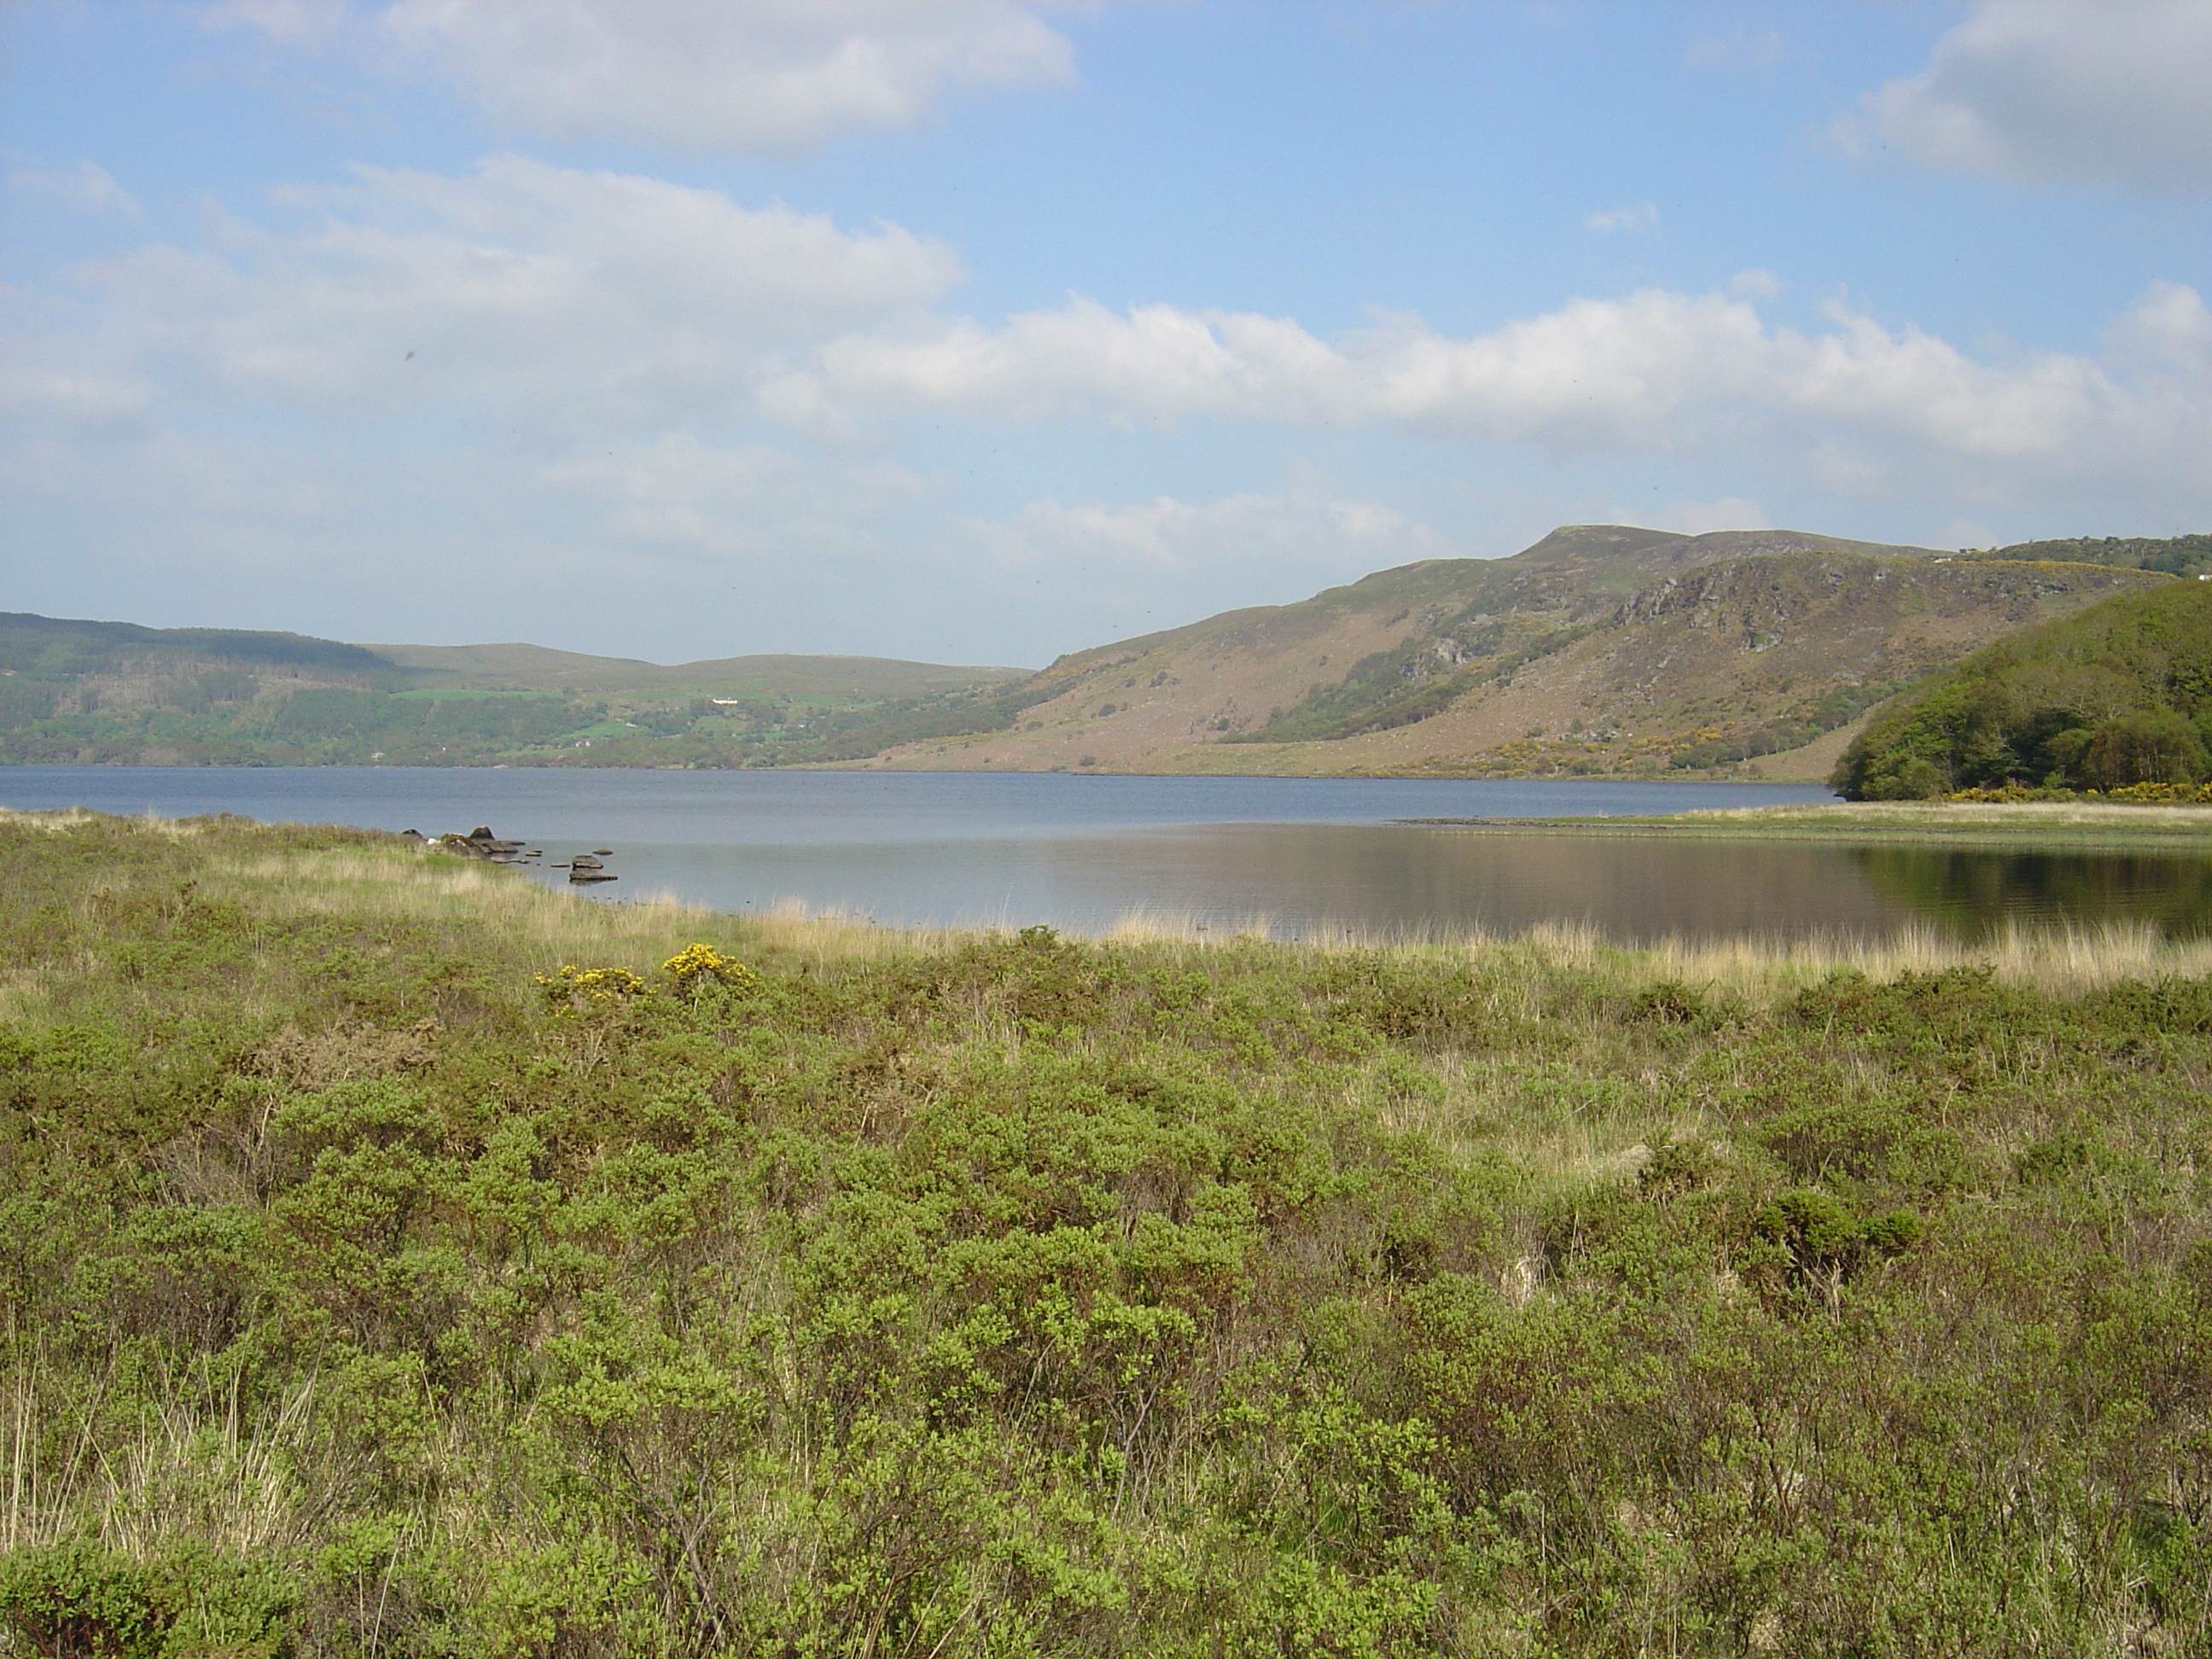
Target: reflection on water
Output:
[
  {"x": 1969, "y": 891},
  {"x": 1296, "y": 855},
  {"x": 1300, "y": 880}
]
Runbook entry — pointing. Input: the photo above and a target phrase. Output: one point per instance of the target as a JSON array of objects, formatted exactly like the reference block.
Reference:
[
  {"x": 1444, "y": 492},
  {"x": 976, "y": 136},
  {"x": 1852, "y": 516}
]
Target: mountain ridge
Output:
[
  {"x": 1549, "y": 663},
  {"x": 1601, "y": 650}
]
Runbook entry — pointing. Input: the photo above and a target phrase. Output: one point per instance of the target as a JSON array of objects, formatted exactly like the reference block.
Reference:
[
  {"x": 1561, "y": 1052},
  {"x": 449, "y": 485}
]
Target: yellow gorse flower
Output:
[
  {"x": 697, "y": 965},
  {"x": 598, "y": 988}
]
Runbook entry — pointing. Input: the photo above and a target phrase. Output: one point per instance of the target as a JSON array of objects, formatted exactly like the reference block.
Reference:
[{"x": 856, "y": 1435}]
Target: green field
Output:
[{"x": 396, "y": 1257}]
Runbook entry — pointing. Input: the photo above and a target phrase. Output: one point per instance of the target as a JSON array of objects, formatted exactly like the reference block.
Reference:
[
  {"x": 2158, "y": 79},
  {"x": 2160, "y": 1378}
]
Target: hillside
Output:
[
  {"x": 1604, "y": 650},
  {"x": 519, "y": 667},
  {"x": 1601, "y": 650},
  {"x": 55, "y": 648},
  {"x": 2115, "y": 694},
  {"x": 81, "y": 691},
  {"x": 2177, "y": 556}
]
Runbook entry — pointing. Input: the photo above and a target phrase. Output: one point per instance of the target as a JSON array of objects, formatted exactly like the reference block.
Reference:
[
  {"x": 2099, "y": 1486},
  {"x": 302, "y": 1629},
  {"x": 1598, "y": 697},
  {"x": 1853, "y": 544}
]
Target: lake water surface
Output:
[{"x": 1295, "y": 856}]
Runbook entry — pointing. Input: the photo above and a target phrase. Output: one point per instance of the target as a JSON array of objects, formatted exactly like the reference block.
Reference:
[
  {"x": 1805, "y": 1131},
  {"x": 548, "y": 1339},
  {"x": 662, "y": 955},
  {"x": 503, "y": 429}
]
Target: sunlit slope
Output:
[
  {"x": 2115, "y": 694},
  {"x": 521, "y": 667},
  {"x": 54, "y": 648},
  {"x": 84, "y": 692},
  {"x": 1602, "y": 649}
]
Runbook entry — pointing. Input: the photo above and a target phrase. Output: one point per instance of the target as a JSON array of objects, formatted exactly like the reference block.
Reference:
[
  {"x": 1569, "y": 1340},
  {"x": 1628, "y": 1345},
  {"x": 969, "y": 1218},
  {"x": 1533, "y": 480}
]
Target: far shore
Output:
[{"x": 2058, "y": 824}]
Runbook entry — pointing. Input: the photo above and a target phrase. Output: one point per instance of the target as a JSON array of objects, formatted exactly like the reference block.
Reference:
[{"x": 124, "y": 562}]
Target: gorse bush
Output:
[
  {"x": 569, "y": 988},
  {"x": 697, "y": 966},
  {"x": 371, "y": 1282}
]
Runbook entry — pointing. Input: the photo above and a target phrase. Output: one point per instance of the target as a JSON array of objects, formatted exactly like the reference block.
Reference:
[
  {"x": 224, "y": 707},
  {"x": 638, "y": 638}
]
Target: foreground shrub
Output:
[{"x": 369, "y": 1284}]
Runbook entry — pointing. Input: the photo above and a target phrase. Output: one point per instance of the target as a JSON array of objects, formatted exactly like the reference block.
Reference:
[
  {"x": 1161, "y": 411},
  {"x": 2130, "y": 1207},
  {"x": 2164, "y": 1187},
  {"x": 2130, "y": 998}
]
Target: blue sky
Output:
[{"x": 984, "y": 330}]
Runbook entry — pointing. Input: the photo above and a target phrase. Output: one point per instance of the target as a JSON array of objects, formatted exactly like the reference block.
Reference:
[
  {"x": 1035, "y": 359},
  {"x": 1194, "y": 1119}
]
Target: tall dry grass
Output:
[
  {"x": 2064, "y": 959},
  {"x": 505, "y": 915}
]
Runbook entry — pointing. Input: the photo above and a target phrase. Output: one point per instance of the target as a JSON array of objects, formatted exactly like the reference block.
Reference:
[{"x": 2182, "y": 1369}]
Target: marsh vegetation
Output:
[{"x": 400, "y": 1259}]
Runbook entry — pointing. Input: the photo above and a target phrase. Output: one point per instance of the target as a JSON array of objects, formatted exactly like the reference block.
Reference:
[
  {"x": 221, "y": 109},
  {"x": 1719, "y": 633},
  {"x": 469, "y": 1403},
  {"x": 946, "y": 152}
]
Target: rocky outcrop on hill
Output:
[{"x": 1601, "y": 650}]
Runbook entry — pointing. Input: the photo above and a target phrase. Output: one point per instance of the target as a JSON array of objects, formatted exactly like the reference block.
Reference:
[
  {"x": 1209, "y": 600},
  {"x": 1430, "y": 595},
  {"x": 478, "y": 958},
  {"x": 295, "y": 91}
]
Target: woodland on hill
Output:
[
  {"x": 2114, "y": 696},
  {"x": 397, "y": 1258}
]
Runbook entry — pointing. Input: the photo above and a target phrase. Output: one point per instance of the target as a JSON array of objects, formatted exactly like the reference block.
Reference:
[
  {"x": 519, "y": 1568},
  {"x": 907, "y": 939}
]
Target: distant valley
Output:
[{"x": 1601, "y": 650}]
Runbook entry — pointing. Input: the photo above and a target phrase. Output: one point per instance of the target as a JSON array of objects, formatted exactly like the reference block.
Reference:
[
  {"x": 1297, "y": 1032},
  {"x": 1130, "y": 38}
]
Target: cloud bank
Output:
[
  {"x": 2058, "y": 92},
  {"x": 1866, "y": 404},
  {"x": 585, "y": 303},
  {"x": 555, "y": 296},
  {"x": 742, "y": 76}
]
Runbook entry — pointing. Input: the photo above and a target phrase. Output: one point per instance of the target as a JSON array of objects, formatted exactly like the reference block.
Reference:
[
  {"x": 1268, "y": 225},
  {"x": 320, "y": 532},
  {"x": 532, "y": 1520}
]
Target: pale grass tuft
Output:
[
  {"x": 832, "y": 933},
  {"x": 1147, "y": 926},
  {"x": 189, "y": 1475},
  {"x": 496, "y": 903},
  {"x": 2061, "y": 960},
  {"x": 196, "y": 1467},
  {"x": 27, "y": 997},
  {"x": 1574, "y": 945}
]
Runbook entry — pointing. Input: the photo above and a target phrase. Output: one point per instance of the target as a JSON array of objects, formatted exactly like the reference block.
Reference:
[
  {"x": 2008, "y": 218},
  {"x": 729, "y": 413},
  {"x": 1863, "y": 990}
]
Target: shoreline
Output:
[{"x": 2057, "y": 825}]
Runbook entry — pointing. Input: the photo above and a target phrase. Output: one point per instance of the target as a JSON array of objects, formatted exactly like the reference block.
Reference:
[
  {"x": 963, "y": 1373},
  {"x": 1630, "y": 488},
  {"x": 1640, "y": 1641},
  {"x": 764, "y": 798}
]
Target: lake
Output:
[{"x": 1296, "y": 857}]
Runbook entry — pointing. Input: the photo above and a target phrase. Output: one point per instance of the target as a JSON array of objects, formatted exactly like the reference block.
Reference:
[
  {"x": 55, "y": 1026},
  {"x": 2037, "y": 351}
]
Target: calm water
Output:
[{"x": 1297, "y": 856}]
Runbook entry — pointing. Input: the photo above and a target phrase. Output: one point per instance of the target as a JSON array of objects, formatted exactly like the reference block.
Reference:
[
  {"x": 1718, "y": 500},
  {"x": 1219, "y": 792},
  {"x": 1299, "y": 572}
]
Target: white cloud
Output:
[
  {"x": 1171, "y": 538},
  {"x": 2166, "y": 333},
  {"x": 601, "y": 363},
  {"x": 87, "y": 186},
  {"x": 1738, "y": 49},
  {"x": 1867, "y": 404},
  {"x": 562, "y": 298},
  {"x": 680, "y": 492},
  {"x": 1699, "y": 518},
  {"x": 1643, "y": 216},
  {"x": 735, "y": 75},
  {"x": 2057, "y": 91},
  {"x": 309, "y": 24}
]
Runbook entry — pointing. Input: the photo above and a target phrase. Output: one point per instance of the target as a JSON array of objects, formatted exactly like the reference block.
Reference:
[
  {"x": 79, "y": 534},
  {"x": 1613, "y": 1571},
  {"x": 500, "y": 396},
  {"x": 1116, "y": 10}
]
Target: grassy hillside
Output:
[
  {"x": 1601, "y": 650},
  {"x": 51, "y": 649},
  {"x": 815, "y": 679},
  {"x": 2116, "y": 694},
  {"x": 386, "y": 1270},
  {"x": 112, "y": 692},
  {"x": 2176, "y": 555}
]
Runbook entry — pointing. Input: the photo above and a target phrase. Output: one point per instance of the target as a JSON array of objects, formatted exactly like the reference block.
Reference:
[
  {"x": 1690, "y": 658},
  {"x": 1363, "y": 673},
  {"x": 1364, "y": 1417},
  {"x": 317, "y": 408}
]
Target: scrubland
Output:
[{"x": 396, "y": 1257}]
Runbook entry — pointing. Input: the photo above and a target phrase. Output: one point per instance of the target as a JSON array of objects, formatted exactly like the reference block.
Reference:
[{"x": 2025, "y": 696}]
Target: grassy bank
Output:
[
  {"x": 368, "y": 1284},
  {"x": 2077, "y": 825}
]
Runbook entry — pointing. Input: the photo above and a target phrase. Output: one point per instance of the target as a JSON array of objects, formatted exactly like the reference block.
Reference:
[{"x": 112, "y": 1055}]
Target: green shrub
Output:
[
  {"x": 76, "y": 1599},
  {"x": 1023, "y": 1294},
  {"x": 1823, "y": 1243}
]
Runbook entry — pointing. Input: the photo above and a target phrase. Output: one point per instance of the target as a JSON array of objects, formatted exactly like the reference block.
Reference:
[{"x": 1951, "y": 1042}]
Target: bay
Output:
[{"x": 1291, "y": 857}]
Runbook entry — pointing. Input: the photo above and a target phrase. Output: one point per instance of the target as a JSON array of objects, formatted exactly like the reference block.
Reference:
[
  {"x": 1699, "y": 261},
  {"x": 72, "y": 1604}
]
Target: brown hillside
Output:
[{"x": 1602, "y": 649}]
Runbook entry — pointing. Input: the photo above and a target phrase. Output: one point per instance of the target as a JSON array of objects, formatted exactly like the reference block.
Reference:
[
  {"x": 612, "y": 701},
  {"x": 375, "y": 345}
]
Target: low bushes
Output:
[{"x": 369, "y": 1282}]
